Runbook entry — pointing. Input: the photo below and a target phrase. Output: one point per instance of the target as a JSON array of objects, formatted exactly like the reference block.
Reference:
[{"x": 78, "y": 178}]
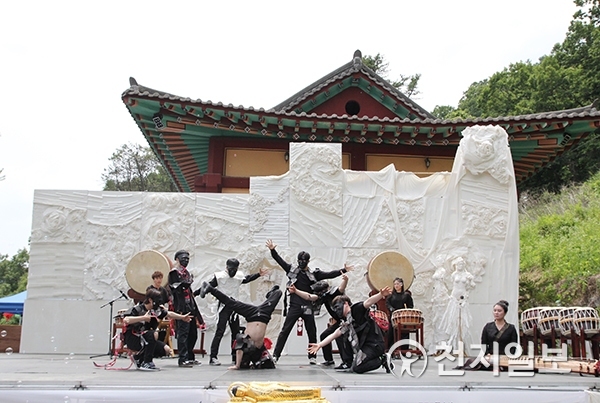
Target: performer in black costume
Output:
[
  {"x": 399, "y": 299},
  {"x": 302, "y": 278},
  {"x": 228, "y": 281},
  {"x": 499, "y": 331},
  {"x": 180, "y": 282},
  {"x": 141, "y": 323},
  {"x": 323, "y": 294},
  {"x": 362, "y": 332},
  {"x": 251, "y": 351}
]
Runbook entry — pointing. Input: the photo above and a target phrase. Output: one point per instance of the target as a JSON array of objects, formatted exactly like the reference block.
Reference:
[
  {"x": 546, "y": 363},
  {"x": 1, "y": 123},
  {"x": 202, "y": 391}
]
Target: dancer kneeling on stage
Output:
[
  {"x": 250, "y": 348},
  {"x": 141, "y": 323},
  {"x": 362, "y": 332}
]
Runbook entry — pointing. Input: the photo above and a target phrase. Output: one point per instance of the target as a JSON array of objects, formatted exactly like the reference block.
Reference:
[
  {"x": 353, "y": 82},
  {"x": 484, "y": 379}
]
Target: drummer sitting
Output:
[
  {"x": 399, "y": 299},
  {"x": 141, "y": 323}
]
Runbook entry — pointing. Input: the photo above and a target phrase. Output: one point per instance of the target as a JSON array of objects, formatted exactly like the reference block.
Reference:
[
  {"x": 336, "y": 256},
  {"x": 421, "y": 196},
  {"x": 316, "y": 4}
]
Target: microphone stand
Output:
[{"x": 110, "y": 326}]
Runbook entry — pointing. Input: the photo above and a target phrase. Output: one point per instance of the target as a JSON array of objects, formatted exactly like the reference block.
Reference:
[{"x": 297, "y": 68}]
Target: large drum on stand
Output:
[
  {"x": 141, "y": 267},
  {"x": 385, "y": 267}
]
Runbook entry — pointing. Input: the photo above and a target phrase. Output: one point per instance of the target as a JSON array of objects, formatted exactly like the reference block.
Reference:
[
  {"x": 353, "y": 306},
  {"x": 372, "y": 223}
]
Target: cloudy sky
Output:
[{"x": 64, "y": 65}]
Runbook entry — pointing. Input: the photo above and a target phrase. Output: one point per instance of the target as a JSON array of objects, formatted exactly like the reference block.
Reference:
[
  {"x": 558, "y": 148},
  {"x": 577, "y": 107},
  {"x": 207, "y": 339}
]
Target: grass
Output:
[{"x": 560, "y": 247}]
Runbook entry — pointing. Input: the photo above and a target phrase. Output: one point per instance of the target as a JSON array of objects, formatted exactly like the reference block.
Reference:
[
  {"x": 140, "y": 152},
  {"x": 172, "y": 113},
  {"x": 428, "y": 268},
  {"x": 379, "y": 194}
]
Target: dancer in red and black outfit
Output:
[{"x": 180, "y": 281}]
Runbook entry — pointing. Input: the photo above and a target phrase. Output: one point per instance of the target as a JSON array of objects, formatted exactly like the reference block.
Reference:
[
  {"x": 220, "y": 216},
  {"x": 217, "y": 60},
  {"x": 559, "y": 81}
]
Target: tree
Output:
[
  {"x": 581, "y": 49},
  {"x": 13, "y": 273},
  {"x": 135, "y": 168},
  {"x": 405, "y": 84},
  {"x": 567, "y": 78},
  {"x": 443, "y": 111}
]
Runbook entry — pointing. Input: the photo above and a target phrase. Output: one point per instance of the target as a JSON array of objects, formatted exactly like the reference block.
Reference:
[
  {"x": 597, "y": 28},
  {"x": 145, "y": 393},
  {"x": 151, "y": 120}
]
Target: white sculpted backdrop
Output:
[{"x": 459, "y": 230}]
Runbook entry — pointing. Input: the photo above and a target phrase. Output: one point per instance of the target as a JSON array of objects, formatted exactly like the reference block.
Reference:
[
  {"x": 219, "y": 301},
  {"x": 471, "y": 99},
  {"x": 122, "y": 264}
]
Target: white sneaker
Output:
[{"x": 312, "y": 361}]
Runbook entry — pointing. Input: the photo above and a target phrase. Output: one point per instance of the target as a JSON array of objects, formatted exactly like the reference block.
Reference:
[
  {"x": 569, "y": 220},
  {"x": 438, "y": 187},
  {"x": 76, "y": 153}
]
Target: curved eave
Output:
[{"x": 179, "y": 130}]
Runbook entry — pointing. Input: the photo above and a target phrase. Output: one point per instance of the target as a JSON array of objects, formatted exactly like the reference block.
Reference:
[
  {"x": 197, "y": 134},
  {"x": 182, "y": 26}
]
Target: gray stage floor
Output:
[{"x": 74, "y": 378}]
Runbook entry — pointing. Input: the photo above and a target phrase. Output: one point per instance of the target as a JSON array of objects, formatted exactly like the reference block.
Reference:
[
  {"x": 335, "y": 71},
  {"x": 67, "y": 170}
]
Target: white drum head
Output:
[{"x": 141, "y": 267}]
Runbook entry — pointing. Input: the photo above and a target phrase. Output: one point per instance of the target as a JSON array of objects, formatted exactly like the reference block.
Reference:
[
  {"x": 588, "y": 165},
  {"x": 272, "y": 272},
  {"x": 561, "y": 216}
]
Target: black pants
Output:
[
  {"x": 252, "y": 313},
  {"x": 145, "y": 344},
  {"x": 225, "y": 316},
  {"x": 295, "y": 312},
  {"x": 187, "y": 335},
  {"x": 342, "y": 343},
  {"x": 371, "y": 361}
]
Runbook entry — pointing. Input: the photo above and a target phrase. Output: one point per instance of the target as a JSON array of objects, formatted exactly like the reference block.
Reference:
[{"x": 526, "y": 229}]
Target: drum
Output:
[
  {"x": 529, "y": 320},
  {"x": 385, "y": 267},
  {"x": 141, "y": 267},
  {"x": 549, "y": 320},
  {"x": 586, "y": 320},
  {"x": 565, "y": 320},
  {"x": 406, "y": 317},
  {"x": 380, "y": 318}
]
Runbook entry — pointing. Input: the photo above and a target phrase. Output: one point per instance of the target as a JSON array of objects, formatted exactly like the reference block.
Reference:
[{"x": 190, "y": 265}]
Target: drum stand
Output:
[{"x": 110, "y": 325}]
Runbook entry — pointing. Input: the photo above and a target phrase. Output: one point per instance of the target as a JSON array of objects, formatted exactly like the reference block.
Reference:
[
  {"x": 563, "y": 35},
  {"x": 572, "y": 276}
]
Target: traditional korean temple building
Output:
[{"x": 213, "y": 147}]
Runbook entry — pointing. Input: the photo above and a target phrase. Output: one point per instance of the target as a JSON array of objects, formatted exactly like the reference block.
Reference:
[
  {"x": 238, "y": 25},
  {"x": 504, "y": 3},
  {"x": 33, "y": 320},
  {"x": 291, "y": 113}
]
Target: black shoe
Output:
[
  {"x": 328, "y": 363},
  {"x": 138, "y": 359},
  {"x": 342, "y": 367},
  {"x": 271, "y": 291},
  {"x": 387, "y": 363},
  {"x": 205, "y": 288},
  {"x": 186, "y": 364}
]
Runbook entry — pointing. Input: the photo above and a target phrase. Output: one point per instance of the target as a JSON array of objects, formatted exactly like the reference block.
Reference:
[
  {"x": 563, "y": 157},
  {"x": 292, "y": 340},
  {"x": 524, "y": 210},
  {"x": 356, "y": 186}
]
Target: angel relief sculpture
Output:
[{"x": 456, "y": 320}]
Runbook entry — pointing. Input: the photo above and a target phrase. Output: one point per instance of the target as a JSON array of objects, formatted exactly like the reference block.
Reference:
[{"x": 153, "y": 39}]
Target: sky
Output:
[{"x": 65, "y": 64}]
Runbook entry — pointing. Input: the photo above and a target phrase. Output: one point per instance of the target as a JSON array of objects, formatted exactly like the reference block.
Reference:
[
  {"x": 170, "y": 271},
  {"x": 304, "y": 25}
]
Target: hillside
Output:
[{"x": 560, "y": 247}]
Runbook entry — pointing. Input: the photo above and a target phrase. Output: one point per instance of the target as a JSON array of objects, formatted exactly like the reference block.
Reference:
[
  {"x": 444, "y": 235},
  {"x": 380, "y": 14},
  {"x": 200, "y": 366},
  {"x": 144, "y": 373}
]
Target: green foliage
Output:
[
  {"x": 567, "y": 78},
  {"x": 559, "y": 238},
  {"x": 135, "y": 168},
  {"x": 10, "y": 319},
  {"x": 443, "y": 111},
  {"x": 13, "y": 273},
  {"x": 408, "y": 85}
]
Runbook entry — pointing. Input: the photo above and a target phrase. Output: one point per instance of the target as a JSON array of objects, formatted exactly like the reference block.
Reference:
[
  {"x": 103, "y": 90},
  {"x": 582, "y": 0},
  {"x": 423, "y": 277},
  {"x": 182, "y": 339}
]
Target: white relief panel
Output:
[
  {"x": 315, "y": 194},
  {"x": 270, "y": 209},
  {"x": 82, "y": 241},
  {"x": 113, "y": 238}
]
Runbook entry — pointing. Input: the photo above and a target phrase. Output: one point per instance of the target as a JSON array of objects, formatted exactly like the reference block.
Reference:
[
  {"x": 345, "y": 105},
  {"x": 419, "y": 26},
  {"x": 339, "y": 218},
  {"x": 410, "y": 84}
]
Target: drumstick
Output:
[{"x": 404, "y": 306}]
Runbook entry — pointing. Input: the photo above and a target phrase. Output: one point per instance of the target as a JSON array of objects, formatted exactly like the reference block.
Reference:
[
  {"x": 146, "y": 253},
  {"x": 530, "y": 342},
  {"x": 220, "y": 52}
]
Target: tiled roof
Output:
[{"x": 179, "y": 129}]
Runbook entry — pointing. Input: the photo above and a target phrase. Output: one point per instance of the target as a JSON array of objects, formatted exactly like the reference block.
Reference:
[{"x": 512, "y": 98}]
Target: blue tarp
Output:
[{"x": 13, "y": 303}]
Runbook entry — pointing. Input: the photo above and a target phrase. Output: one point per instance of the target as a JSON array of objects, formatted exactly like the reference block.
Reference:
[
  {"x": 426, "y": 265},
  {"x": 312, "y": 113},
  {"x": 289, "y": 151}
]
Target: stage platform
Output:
[{"x": 74, "y": 378}]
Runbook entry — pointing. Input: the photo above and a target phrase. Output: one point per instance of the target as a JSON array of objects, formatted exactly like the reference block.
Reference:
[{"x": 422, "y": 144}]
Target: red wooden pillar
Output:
[{"x": 208, "y": 183}]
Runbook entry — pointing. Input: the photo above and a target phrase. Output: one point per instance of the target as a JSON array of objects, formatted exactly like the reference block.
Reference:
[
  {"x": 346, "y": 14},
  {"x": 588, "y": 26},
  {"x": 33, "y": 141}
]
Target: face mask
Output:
[
  {"x": 338, "y": 308},
  {"x": 232, "y": 271},
  {"x": 184, "y": 260},
  {"x": 302, "y": 263}
]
